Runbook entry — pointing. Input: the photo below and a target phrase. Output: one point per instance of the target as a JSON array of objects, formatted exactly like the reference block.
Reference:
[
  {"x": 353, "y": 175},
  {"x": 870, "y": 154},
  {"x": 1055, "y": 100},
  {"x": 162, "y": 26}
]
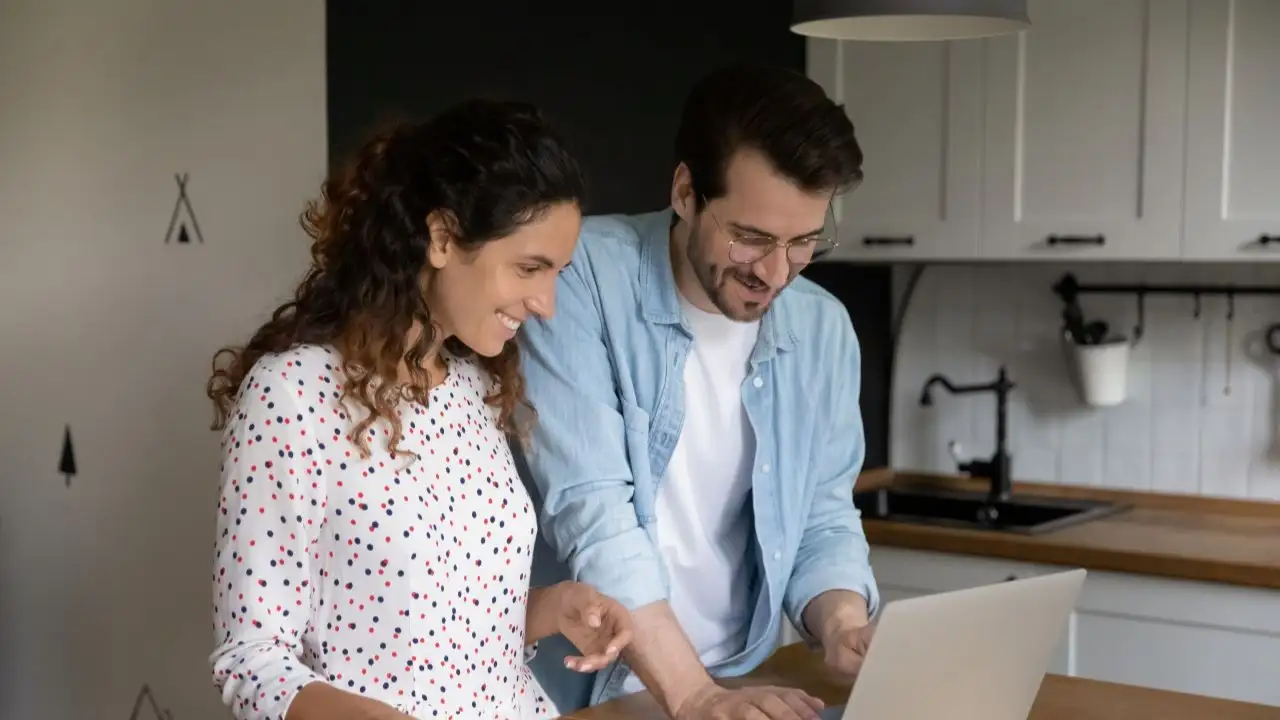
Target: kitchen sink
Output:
[{"x": 1024, "y": 515}]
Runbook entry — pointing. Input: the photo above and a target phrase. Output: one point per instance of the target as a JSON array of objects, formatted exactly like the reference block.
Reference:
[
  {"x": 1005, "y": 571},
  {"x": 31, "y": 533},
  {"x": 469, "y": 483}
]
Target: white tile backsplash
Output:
[{"x": 1203, "y": 394}]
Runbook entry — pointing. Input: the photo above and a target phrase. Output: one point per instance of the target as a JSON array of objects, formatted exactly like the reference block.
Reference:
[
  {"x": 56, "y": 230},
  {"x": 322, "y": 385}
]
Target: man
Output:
[{"x": 697, "y": 433}]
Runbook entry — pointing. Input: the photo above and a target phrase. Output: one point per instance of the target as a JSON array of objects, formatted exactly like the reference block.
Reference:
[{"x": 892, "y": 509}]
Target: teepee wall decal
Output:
[
  {"x": 67, "y": 463},
  {"x": 147, "y": 702},
  {"x": 182, "y": 209}
]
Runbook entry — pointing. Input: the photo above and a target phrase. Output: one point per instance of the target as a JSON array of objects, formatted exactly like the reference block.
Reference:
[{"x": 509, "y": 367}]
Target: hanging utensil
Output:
[
  {"x": 1231, "y": 316},
  {"x": 1095, "y": 332}
]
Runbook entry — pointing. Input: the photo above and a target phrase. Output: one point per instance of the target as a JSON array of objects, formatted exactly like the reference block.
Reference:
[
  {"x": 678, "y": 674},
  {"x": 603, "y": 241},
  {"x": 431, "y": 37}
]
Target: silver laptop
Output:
[{"x": 973, "y": 654}]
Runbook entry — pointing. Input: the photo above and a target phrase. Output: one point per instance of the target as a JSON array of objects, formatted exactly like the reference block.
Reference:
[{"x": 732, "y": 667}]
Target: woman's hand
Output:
[{"x": 598, "y": 625}]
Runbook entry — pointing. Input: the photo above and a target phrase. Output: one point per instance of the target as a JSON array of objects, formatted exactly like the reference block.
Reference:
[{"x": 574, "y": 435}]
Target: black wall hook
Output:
[{"x": 1069, "y": 290}]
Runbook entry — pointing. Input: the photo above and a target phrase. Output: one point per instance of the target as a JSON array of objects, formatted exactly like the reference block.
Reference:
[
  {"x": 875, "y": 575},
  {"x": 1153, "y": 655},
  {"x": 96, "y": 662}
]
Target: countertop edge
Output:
[
  {"x": 1031, "y": 549},
  {"x": 959, "y": 542},
  {"x": 1059, "y": 696}
]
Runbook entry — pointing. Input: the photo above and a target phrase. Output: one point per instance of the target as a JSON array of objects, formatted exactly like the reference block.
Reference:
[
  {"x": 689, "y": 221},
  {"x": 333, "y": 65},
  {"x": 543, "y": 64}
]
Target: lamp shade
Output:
[{"x": 900, "y": 20}]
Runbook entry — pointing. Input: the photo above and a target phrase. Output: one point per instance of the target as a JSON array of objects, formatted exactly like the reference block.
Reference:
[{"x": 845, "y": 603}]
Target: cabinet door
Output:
[
  {"x": 1233, "y": 159},
  {"x": 1202, "y": 638},
  {"x": 1084, "y": 132},
  {"x": 917, "y": 113}
]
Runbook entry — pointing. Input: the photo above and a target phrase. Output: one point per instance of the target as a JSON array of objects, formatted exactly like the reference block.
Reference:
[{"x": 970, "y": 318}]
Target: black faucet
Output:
[{"x": 997, "y": 468}]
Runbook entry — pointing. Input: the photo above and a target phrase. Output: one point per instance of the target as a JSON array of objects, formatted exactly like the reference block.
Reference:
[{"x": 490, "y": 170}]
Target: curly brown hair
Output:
[{"x": 490, "y": 166}]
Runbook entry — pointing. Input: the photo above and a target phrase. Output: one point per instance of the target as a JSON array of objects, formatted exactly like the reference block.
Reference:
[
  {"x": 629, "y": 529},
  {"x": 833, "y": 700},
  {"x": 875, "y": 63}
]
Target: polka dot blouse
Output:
[{"x": 400, "y": 580}]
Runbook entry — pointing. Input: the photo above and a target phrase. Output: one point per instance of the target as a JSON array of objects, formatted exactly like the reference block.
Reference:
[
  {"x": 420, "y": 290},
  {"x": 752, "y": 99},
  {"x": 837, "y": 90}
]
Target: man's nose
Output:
[{"x": 774, "y": 267}]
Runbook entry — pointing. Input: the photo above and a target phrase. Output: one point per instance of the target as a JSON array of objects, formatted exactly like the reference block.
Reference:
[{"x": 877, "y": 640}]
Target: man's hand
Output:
[
  {"x": 845, "y": 648},
  {"x": 838, "y": 618},
  {"x": 766, "y": 702}
]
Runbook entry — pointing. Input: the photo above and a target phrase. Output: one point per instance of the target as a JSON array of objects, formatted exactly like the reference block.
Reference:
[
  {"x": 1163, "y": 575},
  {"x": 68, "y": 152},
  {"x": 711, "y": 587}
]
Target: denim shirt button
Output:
[{"x": 758, "y": 382}]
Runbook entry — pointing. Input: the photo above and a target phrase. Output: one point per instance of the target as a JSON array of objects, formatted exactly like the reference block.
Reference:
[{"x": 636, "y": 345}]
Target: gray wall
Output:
[{"x": 105, "y": 585}]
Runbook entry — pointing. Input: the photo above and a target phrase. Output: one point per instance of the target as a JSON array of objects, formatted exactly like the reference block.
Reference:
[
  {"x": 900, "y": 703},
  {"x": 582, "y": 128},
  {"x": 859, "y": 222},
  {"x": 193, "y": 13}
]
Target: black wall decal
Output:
[
  {"x": 147, "y": 700},
  {"x": 67, "y": 465},
  {"x": 182, "y": 203}
]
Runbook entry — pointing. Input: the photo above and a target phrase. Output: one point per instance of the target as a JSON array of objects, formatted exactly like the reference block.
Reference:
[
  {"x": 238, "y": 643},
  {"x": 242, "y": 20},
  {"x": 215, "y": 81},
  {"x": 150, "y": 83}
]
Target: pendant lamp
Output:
[{"x": 901, "y": 20}]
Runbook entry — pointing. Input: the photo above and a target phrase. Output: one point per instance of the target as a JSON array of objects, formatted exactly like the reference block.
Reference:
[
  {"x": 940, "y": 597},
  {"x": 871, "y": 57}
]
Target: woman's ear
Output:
[{"x": 443, "y": 227}]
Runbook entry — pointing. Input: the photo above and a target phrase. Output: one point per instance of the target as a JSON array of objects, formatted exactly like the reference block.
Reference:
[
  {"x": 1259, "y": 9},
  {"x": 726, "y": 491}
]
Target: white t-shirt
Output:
[{"x": 703, "y": 517}]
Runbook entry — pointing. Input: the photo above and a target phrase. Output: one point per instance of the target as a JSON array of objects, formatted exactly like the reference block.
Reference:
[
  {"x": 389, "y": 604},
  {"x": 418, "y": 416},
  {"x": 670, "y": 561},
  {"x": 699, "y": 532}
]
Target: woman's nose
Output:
[{"x": 544, "y": 303}]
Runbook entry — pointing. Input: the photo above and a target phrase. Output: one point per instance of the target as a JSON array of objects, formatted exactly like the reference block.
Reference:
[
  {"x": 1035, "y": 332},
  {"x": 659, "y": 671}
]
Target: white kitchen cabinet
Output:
[
  {"x": 1233, "y": 158},
  {"x": 1083, "y": 133},
  {"x": 1110, "y": 130},
  {"x": 918, "y": 121},
  {"x": 1203, "y": 638}
]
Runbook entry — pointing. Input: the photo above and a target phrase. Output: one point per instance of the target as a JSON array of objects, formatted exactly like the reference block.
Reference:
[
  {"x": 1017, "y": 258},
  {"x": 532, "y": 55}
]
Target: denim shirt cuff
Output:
[{"x": 634, "y": 582}]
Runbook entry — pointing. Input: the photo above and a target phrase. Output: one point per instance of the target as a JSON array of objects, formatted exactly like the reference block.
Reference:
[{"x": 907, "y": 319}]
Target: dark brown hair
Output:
[
  {"x": 491, "y": 166},
  {"x": 776, "y": 111}
]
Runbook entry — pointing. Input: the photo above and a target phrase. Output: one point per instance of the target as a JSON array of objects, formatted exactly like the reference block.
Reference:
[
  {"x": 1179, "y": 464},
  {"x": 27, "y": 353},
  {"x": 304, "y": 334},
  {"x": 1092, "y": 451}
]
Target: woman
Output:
[{"x": 373, "y": 539}]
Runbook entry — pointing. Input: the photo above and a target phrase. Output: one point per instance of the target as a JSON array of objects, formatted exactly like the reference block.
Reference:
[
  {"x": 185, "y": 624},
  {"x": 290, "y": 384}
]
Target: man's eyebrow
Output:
[
  {"x": 752, "y": 230},
  {"x": 544, "y": 261}
]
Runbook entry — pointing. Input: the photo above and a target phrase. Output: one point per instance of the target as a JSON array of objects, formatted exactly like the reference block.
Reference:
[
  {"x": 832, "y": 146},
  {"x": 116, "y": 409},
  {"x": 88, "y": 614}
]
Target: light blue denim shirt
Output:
[{"x": 605, "y": 378}]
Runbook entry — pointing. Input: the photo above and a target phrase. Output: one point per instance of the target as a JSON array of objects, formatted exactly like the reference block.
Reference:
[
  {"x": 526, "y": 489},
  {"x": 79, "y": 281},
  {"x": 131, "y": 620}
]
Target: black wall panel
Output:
[{"x": 611, "y": 75}]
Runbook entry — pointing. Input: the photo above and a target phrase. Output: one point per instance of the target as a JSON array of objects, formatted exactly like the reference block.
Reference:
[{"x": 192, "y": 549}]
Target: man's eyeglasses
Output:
[{"x": 748, "y": 248}]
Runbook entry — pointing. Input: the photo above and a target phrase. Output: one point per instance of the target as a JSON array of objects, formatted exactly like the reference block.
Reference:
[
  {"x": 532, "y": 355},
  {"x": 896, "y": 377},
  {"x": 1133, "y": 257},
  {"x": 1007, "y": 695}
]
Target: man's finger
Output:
[
  {"x": 802, "y": 704},
  {"x": 809, "y": 700},
  {"x": 844, "y": 660},
  {"x": 865, "y": 634},
  {"x": 778, "y": 709}
]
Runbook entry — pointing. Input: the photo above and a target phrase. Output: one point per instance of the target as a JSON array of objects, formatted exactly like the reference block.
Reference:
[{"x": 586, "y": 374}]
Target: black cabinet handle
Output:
[
  {"x": 1076, "y": 240},
  {"x": 1011, "y": 578},
  {"x": 871, "y": 241},
  {"x": 1266, "y": 239}
]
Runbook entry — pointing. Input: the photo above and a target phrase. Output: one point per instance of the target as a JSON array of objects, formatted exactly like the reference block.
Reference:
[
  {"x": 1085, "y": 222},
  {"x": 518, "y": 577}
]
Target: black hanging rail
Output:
[{"x": 1069, "y": 290}]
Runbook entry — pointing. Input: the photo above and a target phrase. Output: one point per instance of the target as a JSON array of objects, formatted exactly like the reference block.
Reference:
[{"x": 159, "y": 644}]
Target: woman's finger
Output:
[
  {"x": 621, "y": 639},
  {"x": 590, "y": 663},
  {"x": 591, "y": 614}
]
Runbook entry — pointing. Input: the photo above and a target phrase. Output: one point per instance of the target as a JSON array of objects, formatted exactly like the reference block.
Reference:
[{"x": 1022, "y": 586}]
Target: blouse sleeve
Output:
[{"x": 270, "y": 512}]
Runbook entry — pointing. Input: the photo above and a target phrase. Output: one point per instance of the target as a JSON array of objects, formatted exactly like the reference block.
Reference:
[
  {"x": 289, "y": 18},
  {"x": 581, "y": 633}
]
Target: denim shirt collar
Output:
[{"x": 660, "y": 300}]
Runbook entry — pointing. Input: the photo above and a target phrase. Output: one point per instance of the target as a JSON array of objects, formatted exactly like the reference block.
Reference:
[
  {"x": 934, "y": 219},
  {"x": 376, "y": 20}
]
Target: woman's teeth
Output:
[{"x": 510, "y": 322}]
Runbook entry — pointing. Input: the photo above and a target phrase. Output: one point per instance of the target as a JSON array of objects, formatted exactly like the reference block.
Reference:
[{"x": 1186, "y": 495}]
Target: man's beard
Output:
[{"x": 715, "y": 280}]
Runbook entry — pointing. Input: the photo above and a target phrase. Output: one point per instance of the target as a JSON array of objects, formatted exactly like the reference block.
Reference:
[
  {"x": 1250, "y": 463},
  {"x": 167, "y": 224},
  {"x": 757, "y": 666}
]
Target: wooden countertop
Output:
[
  {"x": 1177, "y": 536},
  {"x": 1060, "y": 698}
]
